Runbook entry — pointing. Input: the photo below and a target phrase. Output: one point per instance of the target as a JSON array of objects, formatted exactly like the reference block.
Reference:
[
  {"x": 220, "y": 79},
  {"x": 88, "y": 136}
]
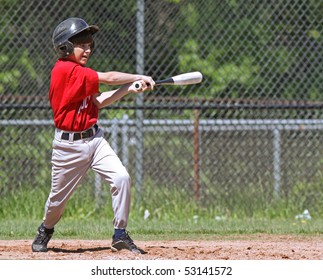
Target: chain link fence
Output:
[{"x": 246, "y": 138}]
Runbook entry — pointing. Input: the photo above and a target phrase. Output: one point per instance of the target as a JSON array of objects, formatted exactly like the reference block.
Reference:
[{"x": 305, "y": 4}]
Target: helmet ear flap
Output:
[{"x": 65, "y": 49}]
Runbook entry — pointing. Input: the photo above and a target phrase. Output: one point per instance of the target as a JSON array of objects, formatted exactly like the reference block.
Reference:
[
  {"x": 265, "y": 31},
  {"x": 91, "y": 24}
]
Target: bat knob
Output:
[{"x": 137, "y": 85}]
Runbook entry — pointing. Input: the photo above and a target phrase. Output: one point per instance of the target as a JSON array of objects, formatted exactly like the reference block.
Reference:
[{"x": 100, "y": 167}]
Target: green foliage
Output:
[
  {"x": 241, "y": 47},
  {"x": 18, "y": 67},
  {"x": 9, "y": 79},
  {"x": 242, "y": 54}
]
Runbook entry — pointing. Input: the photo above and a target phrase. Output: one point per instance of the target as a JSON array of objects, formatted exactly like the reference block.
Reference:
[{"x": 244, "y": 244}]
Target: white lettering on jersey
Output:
[{"x": 84, "y": 104}]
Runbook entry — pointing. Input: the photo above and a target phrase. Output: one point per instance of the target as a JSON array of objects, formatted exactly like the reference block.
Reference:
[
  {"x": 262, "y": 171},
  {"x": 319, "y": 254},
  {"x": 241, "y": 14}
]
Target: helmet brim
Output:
[{"x": 94, "y": 29}]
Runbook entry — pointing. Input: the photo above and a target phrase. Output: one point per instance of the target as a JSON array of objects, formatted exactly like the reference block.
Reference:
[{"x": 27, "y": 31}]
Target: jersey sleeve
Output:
[{"x": 82, "y": 83}]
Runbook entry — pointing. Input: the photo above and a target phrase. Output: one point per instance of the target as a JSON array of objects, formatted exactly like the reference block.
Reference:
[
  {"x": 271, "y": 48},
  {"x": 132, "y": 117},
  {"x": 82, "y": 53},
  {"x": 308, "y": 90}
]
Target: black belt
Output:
[{"x": 80, "y": 135}]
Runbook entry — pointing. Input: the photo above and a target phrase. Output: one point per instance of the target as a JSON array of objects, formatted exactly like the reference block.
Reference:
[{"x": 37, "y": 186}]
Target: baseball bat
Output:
[{"x": 189, "y": 78}]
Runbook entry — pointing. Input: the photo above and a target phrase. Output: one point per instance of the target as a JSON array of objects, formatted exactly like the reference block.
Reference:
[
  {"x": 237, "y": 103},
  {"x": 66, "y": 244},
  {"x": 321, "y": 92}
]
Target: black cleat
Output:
[
  {"x": 42, "y": 238},
  {"x": 125, "y": 242}
]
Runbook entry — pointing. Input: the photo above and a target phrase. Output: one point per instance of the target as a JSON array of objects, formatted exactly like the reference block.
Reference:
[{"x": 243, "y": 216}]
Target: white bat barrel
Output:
[{"x": 188, "y": 78}]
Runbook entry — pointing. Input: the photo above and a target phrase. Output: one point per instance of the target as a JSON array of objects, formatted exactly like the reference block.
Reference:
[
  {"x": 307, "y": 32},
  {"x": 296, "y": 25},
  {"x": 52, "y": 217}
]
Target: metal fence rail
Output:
[{"x": 121, "y": 130}]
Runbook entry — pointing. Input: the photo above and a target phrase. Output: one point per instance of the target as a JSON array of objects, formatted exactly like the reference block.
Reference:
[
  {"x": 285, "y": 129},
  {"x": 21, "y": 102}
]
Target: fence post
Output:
[
  {"x": 125, "y": 140},
  {"x": 196, "y": 156},
  {"x": 276, "y": 162},
  {"x": 140, "y": 98},
  {"x": 114, "y": 134}
]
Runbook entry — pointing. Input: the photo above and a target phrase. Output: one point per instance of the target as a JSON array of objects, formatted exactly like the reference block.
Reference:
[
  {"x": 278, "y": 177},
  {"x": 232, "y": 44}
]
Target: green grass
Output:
[
  {"x": 163, "y": 230},
  {"x": 173, "y": 215}
]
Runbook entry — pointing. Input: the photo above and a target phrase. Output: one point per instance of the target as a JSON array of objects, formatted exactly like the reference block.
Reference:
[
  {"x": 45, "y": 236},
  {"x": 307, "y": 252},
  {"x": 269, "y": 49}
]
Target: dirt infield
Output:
[{"x": 256, "y": 247}]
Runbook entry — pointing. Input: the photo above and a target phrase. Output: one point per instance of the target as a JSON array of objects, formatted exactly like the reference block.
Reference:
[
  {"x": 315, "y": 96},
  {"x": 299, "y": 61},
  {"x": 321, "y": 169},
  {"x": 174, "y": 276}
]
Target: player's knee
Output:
[{"x": 123, "y": 180}]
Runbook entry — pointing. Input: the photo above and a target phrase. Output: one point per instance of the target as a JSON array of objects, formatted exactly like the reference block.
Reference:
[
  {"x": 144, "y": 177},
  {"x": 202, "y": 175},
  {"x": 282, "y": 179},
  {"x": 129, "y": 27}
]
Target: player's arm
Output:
[
  {"x": 120, "y": 78},
  {"x": 108, "y": 97}
]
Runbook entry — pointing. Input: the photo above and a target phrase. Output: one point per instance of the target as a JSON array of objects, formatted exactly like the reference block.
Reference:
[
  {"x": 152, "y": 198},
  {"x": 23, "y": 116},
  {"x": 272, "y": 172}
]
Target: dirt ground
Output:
[{"x": 255, "y": 247}]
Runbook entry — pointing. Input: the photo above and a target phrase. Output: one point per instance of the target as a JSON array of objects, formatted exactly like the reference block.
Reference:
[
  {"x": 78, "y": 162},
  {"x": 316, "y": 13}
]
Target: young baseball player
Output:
[{"x": 79, "y": 142}]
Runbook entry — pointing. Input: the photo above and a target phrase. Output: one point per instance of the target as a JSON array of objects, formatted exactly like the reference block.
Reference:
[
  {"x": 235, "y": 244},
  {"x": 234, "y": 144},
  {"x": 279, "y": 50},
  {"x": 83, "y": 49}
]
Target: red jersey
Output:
[{"x": 71, "y": 88}]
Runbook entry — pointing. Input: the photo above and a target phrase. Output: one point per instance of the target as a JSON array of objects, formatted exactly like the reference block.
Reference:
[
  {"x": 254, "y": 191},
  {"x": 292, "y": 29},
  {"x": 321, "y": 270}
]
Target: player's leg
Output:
[
  {"x": 109, "y": 166},
  {"x": 64, "y": 182},
  {"x": 69, "y": 165}
]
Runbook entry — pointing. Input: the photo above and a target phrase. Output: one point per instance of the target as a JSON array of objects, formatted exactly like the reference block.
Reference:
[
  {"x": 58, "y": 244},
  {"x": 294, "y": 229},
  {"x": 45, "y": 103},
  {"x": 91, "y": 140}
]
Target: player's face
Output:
[{"x": 81, "y": 53}]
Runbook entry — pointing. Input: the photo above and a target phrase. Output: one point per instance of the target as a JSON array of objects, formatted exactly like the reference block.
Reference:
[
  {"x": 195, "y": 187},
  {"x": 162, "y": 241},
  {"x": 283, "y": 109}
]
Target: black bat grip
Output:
[{"x": 165, "y": 81}]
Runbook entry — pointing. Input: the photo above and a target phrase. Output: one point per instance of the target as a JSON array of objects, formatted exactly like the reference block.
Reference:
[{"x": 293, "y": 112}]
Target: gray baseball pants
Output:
[{"x": 70, "y": 162}]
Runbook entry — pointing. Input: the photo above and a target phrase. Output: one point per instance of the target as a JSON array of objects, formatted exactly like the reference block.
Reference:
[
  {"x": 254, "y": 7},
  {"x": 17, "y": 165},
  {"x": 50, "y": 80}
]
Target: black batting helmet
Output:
[{"x": 67, "y": 29}]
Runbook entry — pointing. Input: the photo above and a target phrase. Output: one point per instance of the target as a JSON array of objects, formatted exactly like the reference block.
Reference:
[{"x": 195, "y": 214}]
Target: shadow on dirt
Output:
[{"x": 79, "y": 250}]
